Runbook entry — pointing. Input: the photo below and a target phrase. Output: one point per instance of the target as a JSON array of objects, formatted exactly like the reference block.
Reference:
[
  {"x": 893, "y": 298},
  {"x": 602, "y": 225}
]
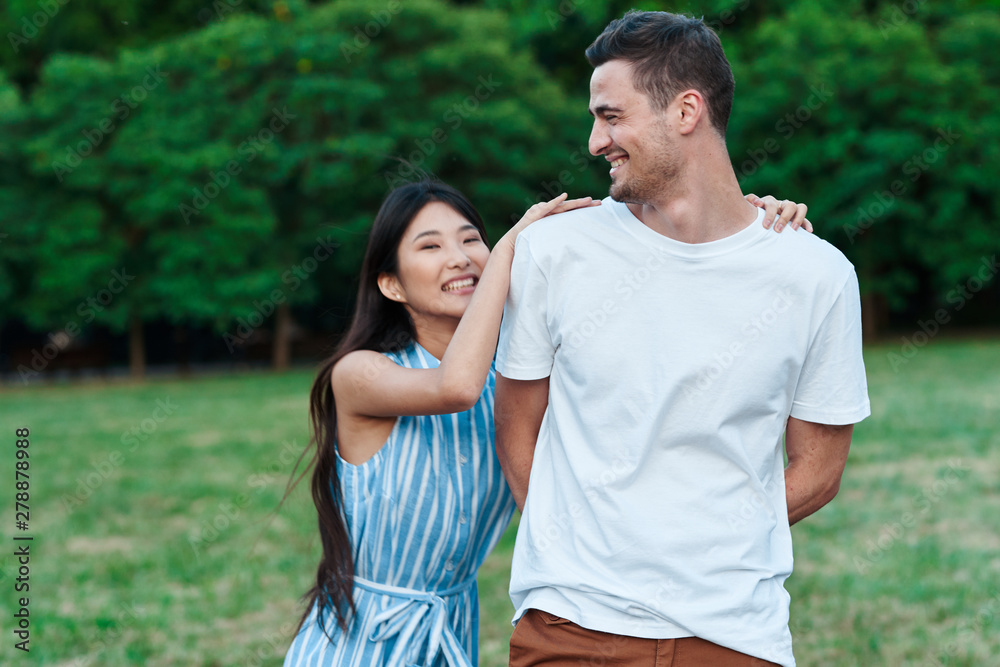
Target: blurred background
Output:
[
  {"x": 185, "y": 193},
  {"x": 189, "y": 183}
]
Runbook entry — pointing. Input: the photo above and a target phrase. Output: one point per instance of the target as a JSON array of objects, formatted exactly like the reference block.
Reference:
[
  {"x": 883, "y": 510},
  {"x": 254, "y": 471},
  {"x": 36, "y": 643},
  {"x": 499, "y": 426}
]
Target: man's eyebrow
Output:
[{"x": 602, "y": 109}]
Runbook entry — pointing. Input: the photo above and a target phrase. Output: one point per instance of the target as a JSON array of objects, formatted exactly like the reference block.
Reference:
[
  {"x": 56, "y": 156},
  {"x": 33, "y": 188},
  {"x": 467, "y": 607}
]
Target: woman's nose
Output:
[{"x": 458, "y": 257}]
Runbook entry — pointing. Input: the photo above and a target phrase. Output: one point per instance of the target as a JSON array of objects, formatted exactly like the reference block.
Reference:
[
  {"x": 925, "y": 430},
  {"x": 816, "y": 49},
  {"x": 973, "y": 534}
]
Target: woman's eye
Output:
[
  {"x": 474, "y": 239},
  {"x": 427, "y": 247}
]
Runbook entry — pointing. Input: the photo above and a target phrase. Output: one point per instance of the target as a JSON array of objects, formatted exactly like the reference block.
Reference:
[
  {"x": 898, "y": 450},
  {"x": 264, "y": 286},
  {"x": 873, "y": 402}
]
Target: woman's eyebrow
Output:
[{"x": 429, "y": 232}]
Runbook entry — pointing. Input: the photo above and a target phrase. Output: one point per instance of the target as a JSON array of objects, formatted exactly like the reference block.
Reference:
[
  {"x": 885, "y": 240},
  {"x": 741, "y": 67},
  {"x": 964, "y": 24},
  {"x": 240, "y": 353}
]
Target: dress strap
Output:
[{"x": 421, "y": 617}]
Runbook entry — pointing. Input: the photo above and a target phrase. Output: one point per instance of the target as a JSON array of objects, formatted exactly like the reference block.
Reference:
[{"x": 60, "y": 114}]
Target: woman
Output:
[{"x": 410, "y": 495}]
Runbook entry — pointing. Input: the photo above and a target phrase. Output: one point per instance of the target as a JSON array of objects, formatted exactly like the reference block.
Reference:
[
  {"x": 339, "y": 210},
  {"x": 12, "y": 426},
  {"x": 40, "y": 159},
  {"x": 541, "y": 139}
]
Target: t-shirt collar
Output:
[{"x": 747, "y": 236}]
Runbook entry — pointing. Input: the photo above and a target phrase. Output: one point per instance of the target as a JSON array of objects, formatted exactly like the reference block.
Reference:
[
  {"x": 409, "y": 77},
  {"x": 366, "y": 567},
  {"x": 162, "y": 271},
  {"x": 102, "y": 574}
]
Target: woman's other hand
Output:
[{"x": 787, "y": 212}]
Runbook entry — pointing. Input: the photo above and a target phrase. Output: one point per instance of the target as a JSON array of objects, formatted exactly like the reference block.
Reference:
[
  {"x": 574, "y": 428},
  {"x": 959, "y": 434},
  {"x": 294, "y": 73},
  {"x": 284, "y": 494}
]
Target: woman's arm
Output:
[{"x": 368, "y": 383}]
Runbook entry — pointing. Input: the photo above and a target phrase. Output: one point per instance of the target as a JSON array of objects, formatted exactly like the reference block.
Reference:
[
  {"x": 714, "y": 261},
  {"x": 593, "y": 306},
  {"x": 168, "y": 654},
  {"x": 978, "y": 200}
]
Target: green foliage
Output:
[
  {"x": 148, "y": 145},
  {"x": 217, "y": 163},
  {"x": 35, "y": 30},
  {"x": 869, "y": 118},
  {"x": 14, "y": 204},
  {"x": 880, "y": 115}
]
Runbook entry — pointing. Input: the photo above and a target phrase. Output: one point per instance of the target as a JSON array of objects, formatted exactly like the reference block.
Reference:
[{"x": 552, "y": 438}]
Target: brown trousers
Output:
[{"x": 543, "y": 639}]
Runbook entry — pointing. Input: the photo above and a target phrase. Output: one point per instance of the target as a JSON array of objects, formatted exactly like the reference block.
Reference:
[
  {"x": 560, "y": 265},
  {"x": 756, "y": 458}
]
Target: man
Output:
[{"x": 654, "y": 351}]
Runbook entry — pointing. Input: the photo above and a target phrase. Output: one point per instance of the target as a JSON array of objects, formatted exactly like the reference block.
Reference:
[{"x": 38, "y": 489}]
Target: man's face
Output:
[{"x": 637, "y": 140}]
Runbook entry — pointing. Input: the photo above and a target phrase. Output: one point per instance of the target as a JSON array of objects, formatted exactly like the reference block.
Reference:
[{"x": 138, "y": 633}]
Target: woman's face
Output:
[{"x": 440, "y": 259}]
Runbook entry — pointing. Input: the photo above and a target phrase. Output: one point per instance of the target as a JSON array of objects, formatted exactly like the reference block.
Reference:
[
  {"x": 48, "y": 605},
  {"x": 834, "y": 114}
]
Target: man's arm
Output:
[
  {"x": 517, "y": 416},
  {"x": 817, "y": 454}
]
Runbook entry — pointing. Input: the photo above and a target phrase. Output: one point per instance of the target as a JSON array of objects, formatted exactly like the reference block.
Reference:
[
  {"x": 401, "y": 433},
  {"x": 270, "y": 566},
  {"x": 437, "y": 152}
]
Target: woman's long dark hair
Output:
[{"x": 381, "y": 325}]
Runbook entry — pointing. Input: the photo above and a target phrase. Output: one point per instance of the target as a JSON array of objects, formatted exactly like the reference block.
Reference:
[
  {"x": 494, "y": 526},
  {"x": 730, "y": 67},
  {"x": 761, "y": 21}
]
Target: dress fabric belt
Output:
[{"x": 421, "y": 618}]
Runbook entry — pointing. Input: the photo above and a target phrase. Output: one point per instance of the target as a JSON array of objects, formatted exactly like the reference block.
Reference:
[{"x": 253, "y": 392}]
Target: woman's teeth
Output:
[{"x": 459, "y": 284}]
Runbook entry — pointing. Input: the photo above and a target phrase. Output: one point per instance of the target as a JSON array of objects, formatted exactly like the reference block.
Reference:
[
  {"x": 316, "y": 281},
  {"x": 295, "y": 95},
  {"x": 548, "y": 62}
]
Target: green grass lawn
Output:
[{"x": 159, "y": 549}]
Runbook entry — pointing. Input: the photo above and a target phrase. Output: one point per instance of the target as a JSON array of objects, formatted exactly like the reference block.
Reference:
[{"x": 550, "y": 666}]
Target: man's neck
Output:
[{"x": 706, "y": 205}]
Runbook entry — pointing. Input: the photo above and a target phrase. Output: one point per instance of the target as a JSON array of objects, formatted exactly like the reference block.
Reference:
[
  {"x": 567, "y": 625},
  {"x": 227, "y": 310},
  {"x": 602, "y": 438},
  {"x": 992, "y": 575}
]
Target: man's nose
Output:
[{"x": 599, "y": 139}]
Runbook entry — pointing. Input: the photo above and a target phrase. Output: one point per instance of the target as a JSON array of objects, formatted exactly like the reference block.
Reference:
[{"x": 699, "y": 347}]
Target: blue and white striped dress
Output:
[{"x": 423, "y": 514}]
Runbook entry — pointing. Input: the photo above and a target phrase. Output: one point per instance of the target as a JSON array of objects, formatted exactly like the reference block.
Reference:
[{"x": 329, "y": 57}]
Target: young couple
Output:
[{"x": 655, "y": 349}]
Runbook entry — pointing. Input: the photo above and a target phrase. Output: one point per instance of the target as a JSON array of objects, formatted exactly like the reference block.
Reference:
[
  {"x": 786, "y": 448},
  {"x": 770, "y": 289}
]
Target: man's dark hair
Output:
[{"x": 669, "y": 54}]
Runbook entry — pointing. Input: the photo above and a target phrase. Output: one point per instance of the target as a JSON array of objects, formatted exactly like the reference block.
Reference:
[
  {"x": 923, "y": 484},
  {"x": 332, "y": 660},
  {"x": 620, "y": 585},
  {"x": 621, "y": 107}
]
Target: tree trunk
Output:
[
  {"x": 874, "y": 315},
  {"x": 182, "y": 350},
  {"x": 282, "y": 337},
  {"x": 136, "y": 348}
]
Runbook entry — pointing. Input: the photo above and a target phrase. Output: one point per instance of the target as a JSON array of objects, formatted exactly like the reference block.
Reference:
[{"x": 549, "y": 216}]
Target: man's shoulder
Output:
[
  {"x": 812, "y": 255},
  {"x": 554, "y": 231}
]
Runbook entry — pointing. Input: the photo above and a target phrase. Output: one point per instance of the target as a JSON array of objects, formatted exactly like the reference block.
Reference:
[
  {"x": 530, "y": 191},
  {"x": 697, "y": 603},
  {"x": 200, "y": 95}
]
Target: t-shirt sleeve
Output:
[
  {"x": 832, "y": 387},
  {"x": 525, "y": 350}
]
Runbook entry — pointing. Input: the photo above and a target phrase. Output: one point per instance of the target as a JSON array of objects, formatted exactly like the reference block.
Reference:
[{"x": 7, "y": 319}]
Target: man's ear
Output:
[
  {"x": 389, "y": 285},
  {"x": 690, "y": 110}
]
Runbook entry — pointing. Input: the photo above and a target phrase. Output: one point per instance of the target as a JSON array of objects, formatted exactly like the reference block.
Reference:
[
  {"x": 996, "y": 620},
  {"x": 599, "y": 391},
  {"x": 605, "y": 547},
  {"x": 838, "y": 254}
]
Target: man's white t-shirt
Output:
[{"x": 656, "y": 503}]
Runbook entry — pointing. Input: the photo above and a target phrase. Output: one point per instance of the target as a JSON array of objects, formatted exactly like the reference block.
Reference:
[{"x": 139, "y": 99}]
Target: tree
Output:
[
  {"x": 35, "y": 30},
  {"x": 882, "y": 124},
  {"x": 263, "y": 150},
  {"x": 833, "y": 97},
  {"x": 15, "y": 254}
]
